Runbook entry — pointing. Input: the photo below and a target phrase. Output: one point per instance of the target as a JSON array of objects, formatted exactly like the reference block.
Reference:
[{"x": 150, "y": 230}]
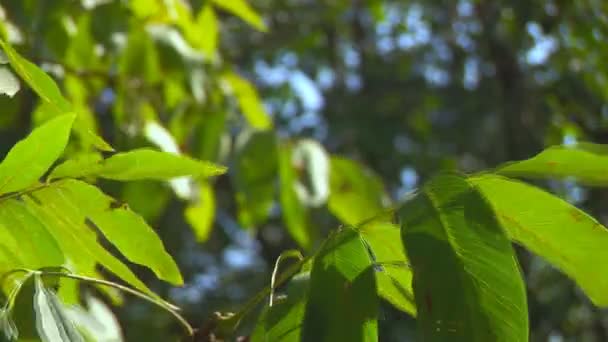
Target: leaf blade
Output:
[
  {"x": 31, "y": 157},
  {"x": 456, "y": 246},
  {"x": 552, "y": 228},
  {"x": 340, "y": 307}
]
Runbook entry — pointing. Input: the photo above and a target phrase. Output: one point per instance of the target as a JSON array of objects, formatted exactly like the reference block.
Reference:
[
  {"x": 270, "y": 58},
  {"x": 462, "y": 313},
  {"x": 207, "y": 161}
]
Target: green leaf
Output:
[
  {"x": 467, "y": 283},
  {"x": 200, "y": 215},
  {"x": 241, "y": 9},
  {"x": 52, "y": 323},
  {"x": 282, "y": 321},
  {"x": 31, "y": 157},
  {"x": 208, "y": 28},
  {"x": 66, "y": 222},
  {"x": 127, "y": 231},
  {"x": 393, "y": 273},
  {"x": 585, "y": 162},
  {"x": 248, "y": 100},
  {"x": 356, "y": 193},
  {"x": 140, "y": 58},
  {"x": 254, "y": 181},
  {"x": 36, "y": 245},
  {"x": 295, "y": 215},
  {"x": 9, "y": 84},
  {"x": 37, "y": 79},
  {"x": 552, "y": 228},
  {"x": 81, "y": 165},
  {"x": 150, "y": 164},
  {"x": 341, "y": 304}
]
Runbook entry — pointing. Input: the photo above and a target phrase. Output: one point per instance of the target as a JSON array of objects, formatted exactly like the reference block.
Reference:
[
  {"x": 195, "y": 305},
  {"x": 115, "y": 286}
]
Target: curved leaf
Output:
[
  {"x": 52, "y": 323},
  {"x": 585, "y": 162},
  {"x": 37, "y": 79},
  {"x": 283, "y": 321},
  {"x": 467, "y": 284},
  {"x": 241, "y": 9},
  {"x": 393, "y": 272},
  {"x": 552, "y": 228},
  {"x": 31, "y": 157},
  {"x": 123, "y": 228},
  {"x": 341, "y": 304}
]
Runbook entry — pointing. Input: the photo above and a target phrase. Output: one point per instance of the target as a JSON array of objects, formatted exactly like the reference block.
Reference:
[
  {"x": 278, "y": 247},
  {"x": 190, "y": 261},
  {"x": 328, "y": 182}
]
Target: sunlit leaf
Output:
[
  {"x": 585, "y": 162},
  {"x": 339, "y": 306},
  {"x": 248, "y": 100},
  {"x": 393, "y": 272},
  {"x": 552, "y": 228},
  {"x": 467, "y": 283},
  {"x": 37, "y": 79},
  {"x": 356, "y": 193},
  {"x": 200, "y": 215},
  {"x": 66, "y": 222},
  {"x": 36, "y": 246},
  {"x": 150, "y": 164},
  {"x": 241, "y": 9},
  {"x": 52, "y": 323},
  {"x": 208, "y": 31},
  {"x": 282, "y": 321},
  {"x": 31, "y": 157},
  {"x": 123, "y": 228},
  {"x": 81, "y": 165}
]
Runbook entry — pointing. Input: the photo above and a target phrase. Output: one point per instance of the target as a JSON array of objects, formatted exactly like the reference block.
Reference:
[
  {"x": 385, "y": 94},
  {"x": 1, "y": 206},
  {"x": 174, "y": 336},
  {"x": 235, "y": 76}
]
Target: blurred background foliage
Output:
[{"x": 325, "y": 112}]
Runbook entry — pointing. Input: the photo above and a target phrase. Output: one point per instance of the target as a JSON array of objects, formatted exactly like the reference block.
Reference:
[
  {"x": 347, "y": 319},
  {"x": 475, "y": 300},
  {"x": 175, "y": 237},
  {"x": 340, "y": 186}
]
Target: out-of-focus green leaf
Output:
[
  {"x": 585, "y": 162},
  {"x": 282, "y": 321},
  {"x": 241, "y": 9},
  {"x": 295, "y": 215},
  {"x": 208, "y": 31},
  {"x": 140, "y": 58},
  {"x": 31, "y": 157},
  {"x": 356, "y": 193},
  {"x": 35, "y": 244},
  {"x": 467, "y": 283},
  {"x": 52, "y": 323},
  {"x": 9, "y": 84},
  {"x": 248, "y": 100},
  {"x": 123, "y": 228},
  {"x": 200, "y": 215},
  {"x": 393, "y": 273},
  {"x": 340, "y": 307},
  {"x": 254, "y": 177},
  {"x": 37, "y": 79},
  {"x": 147, "y": 198},
  {"x": 552, "y": 228}
]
